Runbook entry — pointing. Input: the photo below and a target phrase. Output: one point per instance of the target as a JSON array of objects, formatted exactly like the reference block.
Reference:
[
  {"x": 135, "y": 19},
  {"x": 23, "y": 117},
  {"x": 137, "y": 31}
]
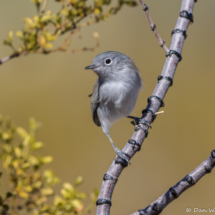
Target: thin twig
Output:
[
  {"x": 174, "y": 192},
  {"x": 155, "y": 102},
  {"x": 5, "y": 59},
  {"x": 44, "y": 6},
  {"x": 153, "y": 28},
  {"x": 62, "y": 49},
  {"x": 159, "y": 112}
]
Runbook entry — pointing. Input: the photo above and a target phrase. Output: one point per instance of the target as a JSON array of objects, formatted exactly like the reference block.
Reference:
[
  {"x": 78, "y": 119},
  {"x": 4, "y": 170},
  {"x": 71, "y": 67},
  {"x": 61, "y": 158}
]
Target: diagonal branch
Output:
[
  {"x": 153, "y": 28},
  {"x": 174, "y": 192},
  {"x": 154, "y": 104}
]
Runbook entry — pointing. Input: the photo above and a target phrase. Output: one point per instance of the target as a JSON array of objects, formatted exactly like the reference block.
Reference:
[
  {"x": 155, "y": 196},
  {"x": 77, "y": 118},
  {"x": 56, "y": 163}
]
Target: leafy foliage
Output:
[
  {"x": 31, "y": 186},
  {"x": 45, "y": 27}
]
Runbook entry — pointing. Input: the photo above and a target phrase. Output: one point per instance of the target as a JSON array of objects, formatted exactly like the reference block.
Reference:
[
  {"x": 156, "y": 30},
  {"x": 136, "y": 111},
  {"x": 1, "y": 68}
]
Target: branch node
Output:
[
  {"x": 145, "y": 8},
  {"x": 162, "y": 44},
  {"x": 184, "y": 33},
  {"x": 208, "y": 169},
  {"x": 133, "y": 142},
  {"x": 186, "y": 15},
  {"x": 171, "y": 52},
  {"x": 137, "y": 127},
  {"x": 153, "y": 27},
  {"x": 109, "y": 177},
  {"x": 160, "y": 77},
  {"x": 213, "y": 154},
  {"x": 158, "y": 98},
  {"x": 173, "y": 192},
  {"x": 103, "y": 201},
  {"x": 120, "y": 161},
  {"x": 156, "y": 207},
  {"x": 190, "y": 180},
  {"x": 149, "y": 111}
]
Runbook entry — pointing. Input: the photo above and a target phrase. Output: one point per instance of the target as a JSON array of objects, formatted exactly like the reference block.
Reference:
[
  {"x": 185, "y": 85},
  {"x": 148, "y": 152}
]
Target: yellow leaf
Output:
[
  {"x": 28, "y": 21},
  {"x": 46, "y": 159},
  {"x": 20, "y": 34},
  {"x": 28, "y": 189},
  {"x": 33, "y": 160},
  {"x": 58, "y": 200},
  {"x": 97, "y": 11},
  {"x": 7, "y": 148},
  {"x": 65, "y": 194},
  {"x": 23, "y": 194},
  {"x": 48, "y": 45},
  {"x": 10, "y": 37},
  {"x": 18, "y": 152},
  {"x": 6, "y": 136},
  {"x": 26, "y": 165},
  {"x": 68, "y": 187},
  {"x": 21, "y": 132},
  {"x": 37, "y": 145},
  {"x": 65, "y": 12},
  {"x": 45, "y": 18},
  {"x": 47, "y": 191},
  {"x": 42, "y": 40},
  {"x": 26, "y": 140},
  {"x": 7, "y": 161},
  {"x": 20, "y": 172},
  {"x": 79, "y": 180},
  {"x": 15, "y": 164},
  {"x": 77, "y": 205}
]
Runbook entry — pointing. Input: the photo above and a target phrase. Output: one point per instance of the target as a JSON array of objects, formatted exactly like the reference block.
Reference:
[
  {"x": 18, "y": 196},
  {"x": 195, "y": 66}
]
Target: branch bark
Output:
[
  {"x": 154, "y": 104},
  {"x": 174, "y": 192}
]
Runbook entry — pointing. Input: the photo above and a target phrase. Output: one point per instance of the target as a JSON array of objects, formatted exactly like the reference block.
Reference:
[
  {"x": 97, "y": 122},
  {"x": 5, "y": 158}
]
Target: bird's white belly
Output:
[{"x": 116, "y": 103}]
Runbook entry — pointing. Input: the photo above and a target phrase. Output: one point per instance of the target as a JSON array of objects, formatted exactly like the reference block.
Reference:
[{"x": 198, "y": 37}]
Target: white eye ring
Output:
[{"x": 108, "y": 61}]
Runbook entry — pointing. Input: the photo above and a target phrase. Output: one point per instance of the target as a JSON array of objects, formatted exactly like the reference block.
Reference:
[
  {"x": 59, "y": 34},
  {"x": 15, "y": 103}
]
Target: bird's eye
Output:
[{"x": 108, "y": 61}]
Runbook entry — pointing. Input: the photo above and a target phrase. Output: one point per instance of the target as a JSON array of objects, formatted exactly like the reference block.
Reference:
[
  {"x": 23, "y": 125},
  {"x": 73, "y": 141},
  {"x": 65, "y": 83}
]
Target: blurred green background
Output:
[{"x": 53, "y": 89}]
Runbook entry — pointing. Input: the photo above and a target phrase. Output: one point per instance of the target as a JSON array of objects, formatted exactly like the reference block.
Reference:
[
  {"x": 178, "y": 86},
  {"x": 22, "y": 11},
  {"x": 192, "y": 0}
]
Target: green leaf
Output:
[
  {"x": 33, "y": 160},
  {"x": 21, "y": 132},
  {"x": 18, "y": 152},
  {"x": 46, "y": 159},
  {"x": 79, "y": 181},
  {"x": 37, "y": 145},
  {"x": 20, "y": 34},
  {"x": 47, "y": 191},
  {"x": 65, "y": 194},
  {"x": 68, "y": 187},
  {"x": 10, "y": 37}
]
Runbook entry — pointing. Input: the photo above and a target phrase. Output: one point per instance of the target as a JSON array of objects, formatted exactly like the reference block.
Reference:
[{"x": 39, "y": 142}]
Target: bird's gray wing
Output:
[{"x": 95, "y": 103}]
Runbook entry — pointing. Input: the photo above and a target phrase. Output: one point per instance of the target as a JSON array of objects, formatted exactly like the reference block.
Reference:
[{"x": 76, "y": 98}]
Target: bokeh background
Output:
[{"x": 54, "y": 90}]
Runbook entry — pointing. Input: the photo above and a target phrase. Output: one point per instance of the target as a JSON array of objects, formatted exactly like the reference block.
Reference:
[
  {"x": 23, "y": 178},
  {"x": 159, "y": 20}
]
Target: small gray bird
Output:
[{"x": 115, "y": 92}]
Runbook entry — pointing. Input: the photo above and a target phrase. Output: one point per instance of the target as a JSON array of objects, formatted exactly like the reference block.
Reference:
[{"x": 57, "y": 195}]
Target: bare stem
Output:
[
  {"x": 153, "y": 28},
  {"x": 44, "y": 6},
  {"x": 154, "y": 104},
  {"x": 5, "y": 59},
  {"x": 174, "y": 192}
]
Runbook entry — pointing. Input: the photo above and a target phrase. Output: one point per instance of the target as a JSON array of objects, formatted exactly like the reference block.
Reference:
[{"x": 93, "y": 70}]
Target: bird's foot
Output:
[
  {"x": 138, "y": 120},
  {"x": 121, "y": 155}
]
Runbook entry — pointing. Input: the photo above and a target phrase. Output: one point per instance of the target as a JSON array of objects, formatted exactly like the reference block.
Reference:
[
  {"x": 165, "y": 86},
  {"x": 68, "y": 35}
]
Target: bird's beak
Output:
[{"x": 93, "y": 66}]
